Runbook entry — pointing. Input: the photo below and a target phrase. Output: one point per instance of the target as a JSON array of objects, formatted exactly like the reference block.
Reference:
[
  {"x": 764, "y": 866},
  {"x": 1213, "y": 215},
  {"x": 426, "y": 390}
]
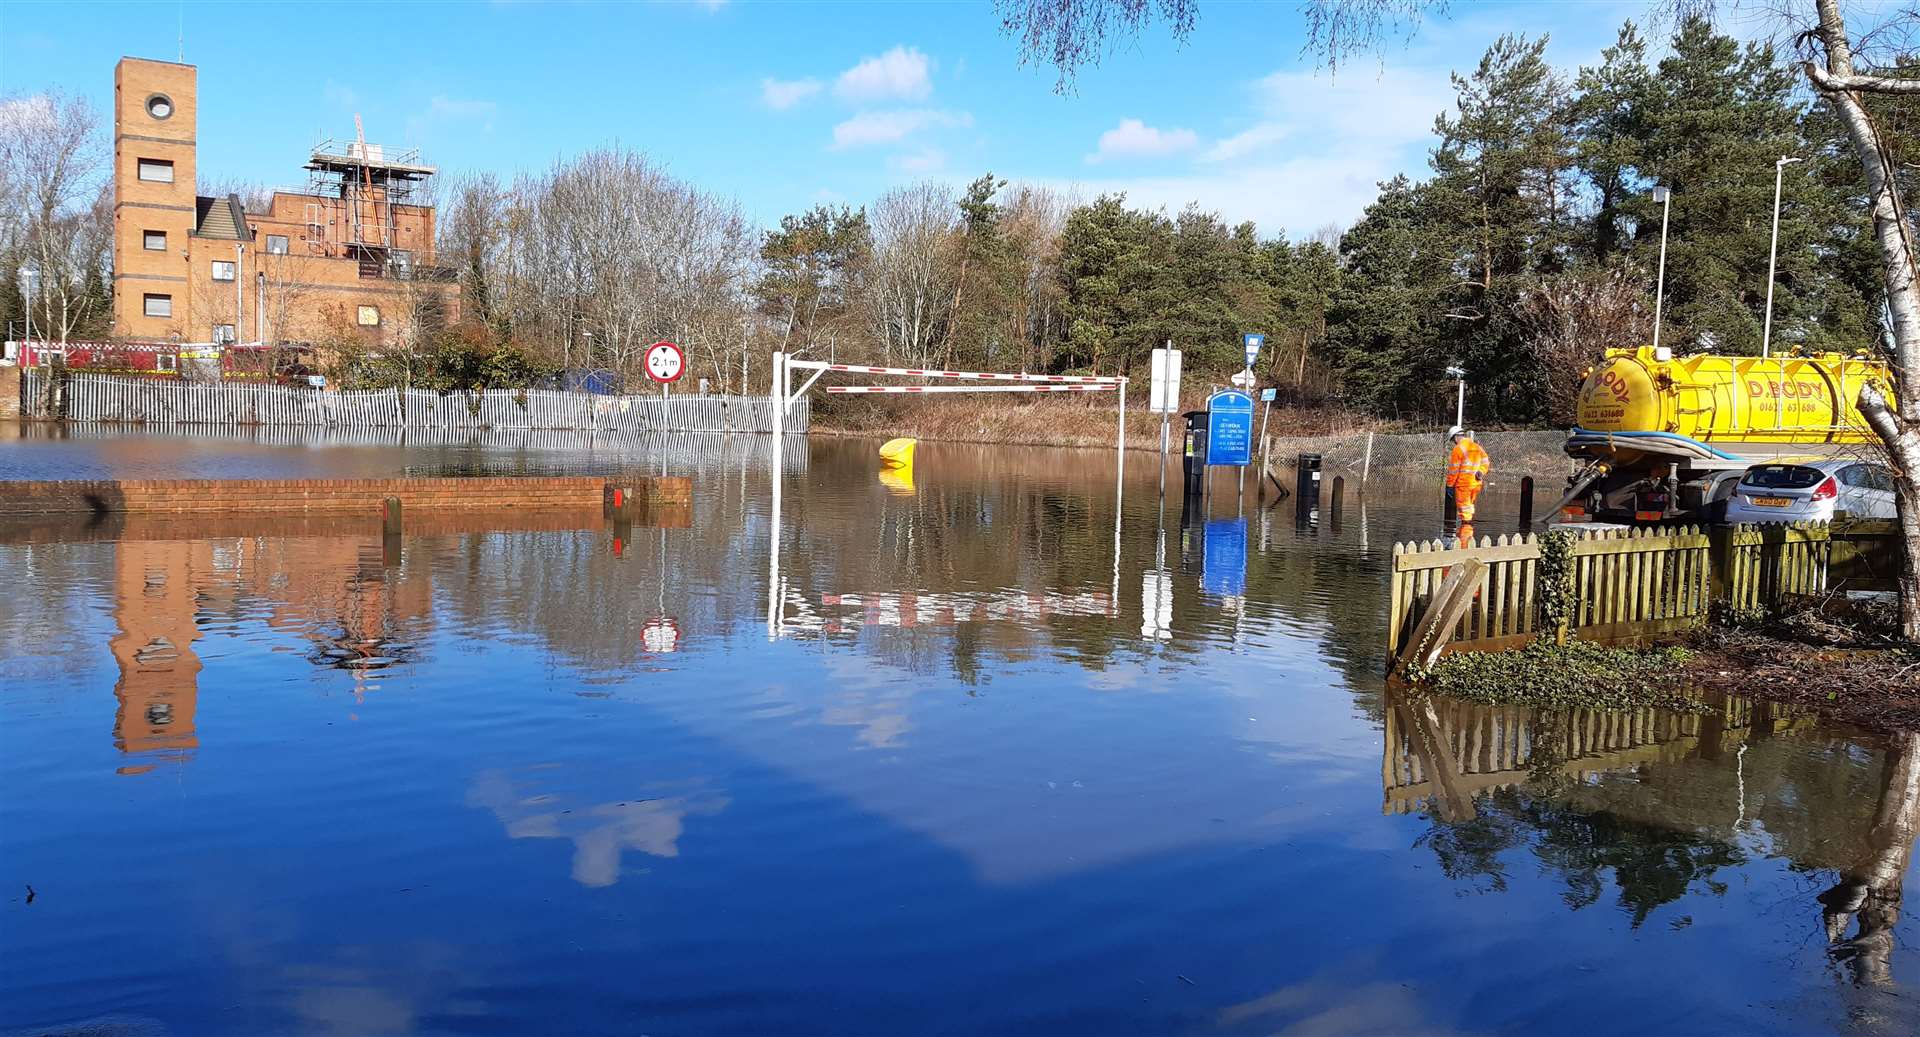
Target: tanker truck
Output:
[{"x": 1664, "y": 439}]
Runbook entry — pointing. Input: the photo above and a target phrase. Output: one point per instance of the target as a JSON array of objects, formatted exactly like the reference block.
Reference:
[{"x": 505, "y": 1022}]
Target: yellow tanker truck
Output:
[{"x": 1663, "y": 438}]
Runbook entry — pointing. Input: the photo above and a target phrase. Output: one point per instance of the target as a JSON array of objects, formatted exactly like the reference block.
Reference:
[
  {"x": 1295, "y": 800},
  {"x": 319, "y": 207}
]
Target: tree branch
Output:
[{"x": 1832, "y": 83}]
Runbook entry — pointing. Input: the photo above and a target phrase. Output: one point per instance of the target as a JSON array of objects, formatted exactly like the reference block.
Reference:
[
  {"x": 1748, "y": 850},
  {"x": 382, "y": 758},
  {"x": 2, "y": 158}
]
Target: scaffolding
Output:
[{"x": 361, "y": 184}]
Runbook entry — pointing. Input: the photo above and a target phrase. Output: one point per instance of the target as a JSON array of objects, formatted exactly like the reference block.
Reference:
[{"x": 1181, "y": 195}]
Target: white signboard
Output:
[
  {"x": 1163, "y": 394},
  {"x": 1243, "y": 379}
]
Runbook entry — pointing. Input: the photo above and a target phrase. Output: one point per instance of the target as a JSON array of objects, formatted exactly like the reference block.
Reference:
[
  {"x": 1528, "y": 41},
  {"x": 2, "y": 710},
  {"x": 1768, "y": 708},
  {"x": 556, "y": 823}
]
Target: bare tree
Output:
[
  {"x": 54, "y": 159},
  {"x": 1573, "y": 319},
  {"x": 911, "y": 286}
]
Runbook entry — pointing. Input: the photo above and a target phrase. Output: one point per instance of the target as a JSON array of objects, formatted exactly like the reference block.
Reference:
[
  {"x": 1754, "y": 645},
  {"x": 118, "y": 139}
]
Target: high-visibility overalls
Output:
[{"x": 1466, "y": 474}]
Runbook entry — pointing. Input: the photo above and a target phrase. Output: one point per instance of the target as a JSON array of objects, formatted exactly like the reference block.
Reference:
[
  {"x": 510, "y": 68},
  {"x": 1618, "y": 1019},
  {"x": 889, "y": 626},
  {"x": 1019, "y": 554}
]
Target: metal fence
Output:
[
  {"x": 507, "y": 451},
  {"x": 153, "y": 401}
]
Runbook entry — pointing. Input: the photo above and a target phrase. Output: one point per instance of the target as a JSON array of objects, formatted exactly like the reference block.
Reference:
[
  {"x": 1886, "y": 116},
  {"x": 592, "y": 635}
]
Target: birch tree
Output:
[
  {"x": 54, "y": 158},
  {"x": 912, "y": 289}
]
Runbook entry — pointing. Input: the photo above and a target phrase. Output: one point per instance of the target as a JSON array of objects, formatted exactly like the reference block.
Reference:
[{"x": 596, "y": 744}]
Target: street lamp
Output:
[
  {"x": 1773, "y": 249},
  {"x": 27, "y": 277},
  {"x": 1664, "y": 196},
  {"x": 1459, "y": 376}
]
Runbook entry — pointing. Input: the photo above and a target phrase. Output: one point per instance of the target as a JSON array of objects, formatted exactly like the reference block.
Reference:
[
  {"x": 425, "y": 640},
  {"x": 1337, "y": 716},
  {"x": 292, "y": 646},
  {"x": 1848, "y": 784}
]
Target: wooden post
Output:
[
  {"x": 1450, "y": 603},
  {"x": 1526, "y": 503},
  {"x": 390, "y": 532}
]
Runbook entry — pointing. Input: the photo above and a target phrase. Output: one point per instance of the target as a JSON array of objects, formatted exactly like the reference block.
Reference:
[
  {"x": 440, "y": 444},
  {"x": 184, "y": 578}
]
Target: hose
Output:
[{"x": 1669, "y": 436}]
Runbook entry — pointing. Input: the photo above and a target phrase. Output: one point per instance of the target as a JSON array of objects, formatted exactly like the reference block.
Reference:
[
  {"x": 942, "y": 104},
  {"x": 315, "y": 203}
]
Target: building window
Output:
[
  {"x": 223, "y": 270},
  {"x": 369, "y": 316},
  {"x": 158, "y": 305},
  {"x": 160, "y": 106},
  {"x": 276, "y": 244},
  {"x": 154, "y": 240},
  {"x": 156, "y": 170},
  {"x": 223, "y": 334},
  {"x": 165, "y": 362}
]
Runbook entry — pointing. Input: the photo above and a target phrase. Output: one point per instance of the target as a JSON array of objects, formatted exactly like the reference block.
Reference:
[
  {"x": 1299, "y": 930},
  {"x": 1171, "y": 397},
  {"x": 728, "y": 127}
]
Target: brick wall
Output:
[{"x": 296, "y": 496}]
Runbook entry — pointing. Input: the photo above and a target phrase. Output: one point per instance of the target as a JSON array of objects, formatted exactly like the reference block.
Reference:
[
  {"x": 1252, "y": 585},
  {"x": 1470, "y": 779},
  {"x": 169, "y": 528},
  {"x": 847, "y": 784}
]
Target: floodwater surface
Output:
[{"x": 982, "y": 752}]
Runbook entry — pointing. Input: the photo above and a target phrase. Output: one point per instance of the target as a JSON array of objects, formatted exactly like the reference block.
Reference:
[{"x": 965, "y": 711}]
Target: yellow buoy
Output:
[{"x": 898, "y": 453}]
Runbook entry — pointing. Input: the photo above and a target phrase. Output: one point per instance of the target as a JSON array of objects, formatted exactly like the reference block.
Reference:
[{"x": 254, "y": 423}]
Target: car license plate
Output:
[{"x": 1771, "y": 502}]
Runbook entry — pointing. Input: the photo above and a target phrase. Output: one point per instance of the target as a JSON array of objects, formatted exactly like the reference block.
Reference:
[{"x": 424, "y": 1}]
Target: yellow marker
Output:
[
  {"x": 898, "y": 480},
  {"x": 898, "y": 453}
]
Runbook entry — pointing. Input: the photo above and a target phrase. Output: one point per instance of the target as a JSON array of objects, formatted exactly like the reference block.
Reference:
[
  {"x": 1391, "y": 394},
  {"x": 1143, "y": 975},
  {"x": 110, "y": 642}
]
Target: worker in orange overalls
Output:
[{"x": 1466, "y": 472}]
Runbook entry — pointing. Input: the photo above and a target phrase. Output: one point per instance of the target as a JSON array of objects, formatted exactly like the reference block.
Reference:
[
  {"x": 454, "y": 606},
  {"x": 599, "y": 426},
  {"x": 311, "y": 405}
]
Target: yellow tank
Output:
[{"x": 1731, "y": 399}]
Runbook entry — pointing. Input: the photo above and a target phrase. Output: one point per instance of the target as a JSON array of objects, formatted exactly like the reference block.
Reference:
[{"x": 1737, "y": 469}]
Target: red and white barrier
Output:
[
  {"x": 1108, "y": 381},
  {"x": 968, "y": 388}
]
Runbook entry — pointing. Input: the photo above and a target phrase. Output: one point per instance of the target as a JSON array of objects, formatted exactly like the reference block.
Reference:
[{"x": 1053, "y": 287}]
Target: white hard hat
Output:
[{"x": 1455, "y": 431}]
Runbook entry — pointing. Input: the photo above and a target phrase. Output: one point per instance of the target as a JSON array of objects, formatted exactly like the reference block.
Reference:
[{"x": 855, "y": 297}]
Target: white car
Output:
[{"x": 1812, "y": 491}]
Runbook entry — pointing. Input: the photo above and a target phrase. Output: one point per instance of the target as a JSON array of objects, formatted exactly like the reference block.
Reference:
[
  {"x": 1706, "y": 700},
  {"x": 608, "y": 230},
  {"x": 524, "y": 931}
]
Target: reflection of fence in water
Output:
[
  {"x": 585, "y": 452},
  {"x": 1491, "y": 747},
  {"x": 153, "y": 401}
]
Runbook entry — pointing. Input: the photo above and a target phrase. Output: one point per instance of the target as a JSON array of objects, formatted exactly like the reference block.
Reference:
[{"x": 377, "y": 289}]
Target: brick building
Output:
[{"x": 349, "y": 258}]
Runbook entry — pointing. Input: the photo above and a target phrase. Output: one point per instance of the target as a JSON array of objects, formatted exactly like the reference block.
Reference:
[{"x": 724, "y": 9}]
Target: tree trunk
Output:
[{"x": 1897, "y": 421}]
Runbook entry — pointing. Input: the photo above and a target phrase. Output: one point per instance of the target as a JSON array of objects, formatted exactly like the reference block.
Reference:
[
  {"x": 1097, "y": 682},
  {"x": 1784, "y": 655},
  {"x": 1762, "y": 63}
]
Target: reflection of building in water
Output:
[
  {"x": 159, "y": 684},
  {"x": 330, "y": 590}
]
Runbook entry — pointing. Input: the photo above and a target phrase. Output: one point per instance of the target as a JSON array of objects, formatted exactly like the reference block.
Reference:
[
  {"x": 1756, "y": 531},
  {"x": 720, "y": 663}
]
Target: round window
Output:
[{"x": 159, "y": 106}]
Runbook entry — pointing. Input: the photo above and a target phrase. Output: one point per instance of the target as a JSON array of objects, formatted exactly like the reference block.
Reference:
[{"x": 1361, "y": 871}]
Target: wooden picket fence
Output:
[{"x": 1633, "y": 585}]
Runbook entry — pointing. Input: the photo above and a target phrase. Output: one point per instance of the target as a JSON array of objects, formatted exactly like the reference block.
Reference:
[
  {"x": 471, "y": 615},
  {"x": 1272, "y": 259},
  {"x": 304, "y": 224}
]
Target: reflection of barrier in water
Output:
[{"x": 786, "y": 397}]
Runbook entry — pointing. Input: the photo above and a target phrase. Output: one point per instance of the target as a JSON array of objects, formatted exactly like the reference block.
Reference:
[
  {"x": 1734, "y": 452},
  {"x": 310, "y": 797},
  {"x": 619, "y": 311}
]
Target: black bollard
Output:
[{"x": 1526, "y": 503}]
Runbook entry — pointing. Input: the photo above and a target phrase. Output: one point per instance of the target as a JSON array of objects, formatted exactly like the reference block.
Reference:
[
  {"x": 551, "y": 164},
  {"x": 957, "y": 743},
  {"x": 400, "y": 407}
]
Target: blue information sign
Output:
[
  {"x": 1223, "y": 558},
  {"x": 1229, "y": 428},
  {"x": 1267, "y": 395}
]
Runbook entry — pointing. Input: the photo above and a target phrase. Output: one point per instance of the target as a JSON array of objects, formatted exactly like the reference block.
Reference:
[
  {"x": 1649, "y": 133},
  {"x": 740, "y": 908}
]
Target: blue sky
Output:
[{"x": 782, "y": 105}]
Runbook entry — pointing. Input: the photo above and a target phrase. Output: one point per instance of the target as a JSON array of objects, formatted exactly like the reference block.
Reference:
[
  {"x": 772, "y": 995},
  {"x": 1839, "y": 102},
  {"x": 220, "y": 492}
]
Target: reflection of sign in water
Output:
[
  {"x": 660, "y": 635},
  {"x": 1156, "y": 605},
  {"x": 1229, "y": 428},
  {"x": 1223, "y": 569},
  {"x": 914, "y": 609}
]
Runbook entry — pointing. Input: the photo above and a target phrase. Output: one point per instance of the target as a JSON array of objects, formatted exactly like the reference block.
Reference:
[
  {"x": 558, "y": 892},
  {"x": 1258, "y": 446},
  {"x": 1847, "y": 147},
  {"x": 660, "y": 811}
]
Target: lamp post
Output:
[
  {"x": 1664, "y": 196},
  {"x": 1773, "y": 250},
  {"x": 1459, "y": 376},
  {"x": 27, "y": 277}
]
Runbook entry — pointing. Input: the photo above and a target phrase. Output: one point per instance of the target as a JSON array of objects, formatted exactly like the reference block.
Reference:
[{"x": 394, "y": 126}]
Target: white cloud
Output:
[
  {"x": 782, "y": 94},
  {"x": 1135, "y": 139},
  {"x": 885, "y": 127},
  {"x": 443, "y": 110},
  {"x": 1248, "y": 141},
  {"x": 901, "y": 74},
  {"x": 1309, "y": 150},
  {"x": 1295, "y": 194},
  {"x": 922, "y": 162}
]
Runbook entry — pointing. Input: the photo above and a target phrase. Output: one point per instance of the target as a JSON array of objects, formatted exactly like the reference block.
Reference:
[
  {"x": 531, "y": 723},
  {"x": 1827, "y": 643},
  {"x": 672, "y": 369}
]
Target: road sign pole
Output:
[{"x": 1265, "y": 447}]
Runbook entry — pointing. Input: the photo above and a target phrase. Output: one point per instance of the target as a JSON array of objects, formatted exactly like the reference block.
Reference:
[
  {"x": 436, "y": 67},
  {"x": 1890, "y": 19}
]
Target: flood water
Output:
[{"x": 982, "y": 761}]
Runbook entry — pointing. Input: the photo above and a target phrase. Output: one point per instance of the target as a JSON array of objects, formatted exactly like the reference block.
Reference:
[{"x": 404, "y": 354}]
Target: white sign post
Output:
[
  {"x": 1163, "y": 398},
  {"x": 1253, "y": 341},
  {"x": 665, "y": 364}
]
